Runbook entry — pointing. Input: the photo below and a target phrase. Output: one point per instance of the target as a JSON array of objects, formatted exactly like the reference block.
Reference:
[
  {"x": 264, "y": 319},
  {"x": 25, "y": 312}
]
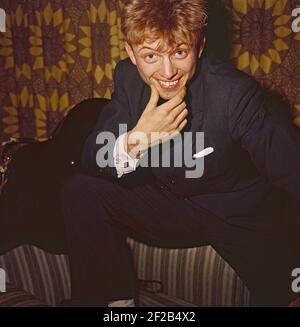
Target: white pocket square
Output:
[{"x": 203, "y": 153}]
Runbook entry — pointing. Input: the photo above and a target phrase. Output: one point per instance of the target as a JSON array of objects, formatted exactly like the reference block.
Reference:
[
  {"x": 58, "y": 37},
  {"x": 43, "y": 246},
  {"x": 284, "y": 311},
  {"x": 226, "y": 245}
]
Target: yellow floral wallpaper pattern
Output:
[
  {"x": 57, "y": 53},
  {"x": 264, "y": 46},
  {"x": 53, "y": 55}
]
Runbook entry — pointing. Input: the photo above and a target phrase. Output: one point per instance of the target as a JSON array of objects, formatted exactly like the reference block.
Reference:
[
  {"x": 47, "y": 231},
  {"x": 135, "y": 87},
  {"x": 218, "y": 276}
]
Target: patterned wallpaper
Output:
[
  {"x": 56, "y": 53},
  {"x": 265, "y": 46},
  {"x": 53, "y": 55}
]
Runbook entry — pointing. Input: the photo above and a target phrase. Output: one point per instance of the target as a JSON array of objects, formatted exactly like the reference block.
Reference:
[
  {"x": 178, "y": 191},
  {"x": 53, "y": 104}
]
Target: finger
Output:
[
  {"x": 183, "y": 91},
  {"x": 181, "y": 117},
  {"x": 175, "y": 101},
  {"x": 182, "y": 125},
  {"x": 153, "y": 98},
  {"x": 177, "y": 111}
]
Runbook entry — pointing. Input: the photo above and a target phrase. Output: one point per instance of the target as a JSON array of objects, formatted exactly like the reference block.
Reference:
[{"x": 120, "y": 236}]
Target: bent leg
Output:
[
  {"x": 100, "y": 214},
  {"x": 264, "y": 263}
]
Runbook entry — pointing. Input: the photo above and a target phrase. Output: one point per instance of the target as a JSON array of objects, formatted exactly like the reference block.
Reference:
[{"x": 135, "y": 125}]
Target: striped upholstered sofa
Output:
[{"x": 189, "y": 277}]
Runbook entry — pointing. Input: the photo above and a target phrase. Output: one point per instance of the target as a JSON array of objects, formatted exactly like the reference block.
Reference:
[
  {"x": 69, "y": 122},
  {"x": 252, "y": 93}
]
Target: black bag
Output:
[{"x": 32, "y": 174}]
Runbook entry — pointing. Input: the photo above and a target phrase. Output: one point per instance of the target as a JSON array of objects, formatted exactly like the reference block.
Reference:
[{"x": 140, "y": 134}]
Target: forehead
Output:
[{"x": 159, "y": 45}]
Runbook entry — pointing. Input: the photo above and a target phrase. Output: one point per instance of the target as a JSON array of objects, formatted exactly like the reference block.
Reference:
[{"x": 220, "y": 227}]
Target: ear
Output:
[
  {"x": 201, "y": 46},
  {"x": 130, "y": 53}
]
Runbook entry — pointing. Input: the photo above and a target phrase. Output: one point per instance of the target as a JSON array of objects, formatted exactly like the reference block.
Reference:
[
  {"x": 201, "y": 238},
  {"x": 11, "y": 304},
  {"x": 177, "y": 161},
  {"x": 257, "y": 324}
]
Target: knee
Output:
[
  {"x": 80, "y": 202},
  {"x": 74, "y": 187}
]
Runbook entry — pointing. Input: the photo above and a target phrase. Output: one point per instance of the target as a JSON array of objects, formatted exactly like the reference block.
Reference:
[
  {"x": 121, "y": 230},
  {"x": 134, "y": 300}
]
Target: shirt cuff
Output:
[{"x": 124, "y": 163}]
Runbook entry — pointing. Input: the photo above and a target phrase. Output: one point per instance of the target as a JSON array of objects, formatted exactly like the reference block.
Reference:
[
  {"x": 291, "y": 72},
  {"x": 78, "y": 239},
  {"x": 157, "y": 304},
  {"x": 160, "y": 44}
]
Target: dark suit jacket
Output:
[{"x": 257, "y": 149}]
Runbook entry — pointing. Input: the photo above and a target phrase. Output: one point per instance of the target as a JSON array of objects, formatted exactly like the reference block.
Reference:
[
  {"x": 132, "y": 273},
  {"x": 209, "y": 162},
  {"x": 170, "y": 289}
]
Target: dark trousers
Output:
[{"x": 100, "y": 214}]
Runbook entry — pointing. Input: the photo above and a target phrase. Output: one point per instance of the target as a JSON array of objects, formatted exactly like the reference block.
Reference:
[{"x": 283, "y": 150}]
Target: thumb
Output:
[
  {"x": 183, "y": 91},
  {"x": 153, "y": 98}
]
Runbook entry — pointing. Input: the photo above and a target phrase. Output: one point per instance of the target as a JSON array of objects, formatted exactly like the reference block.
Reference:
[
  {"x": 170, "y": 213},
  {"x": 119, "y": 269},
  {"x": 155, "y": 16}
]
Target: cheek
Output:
[
  {"x": 144, "y": 69},
  {"x": 190, "y": 69},
  {"x": 190, "y": 65}
]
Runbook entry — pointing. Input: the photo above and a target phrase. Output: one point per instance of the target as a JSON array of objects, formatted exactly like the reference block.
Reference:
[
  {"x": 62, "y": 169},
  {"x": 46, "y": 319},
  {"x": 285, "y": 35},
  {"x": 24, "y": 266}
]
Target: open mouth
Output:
[{"x": 168, "y": 85}]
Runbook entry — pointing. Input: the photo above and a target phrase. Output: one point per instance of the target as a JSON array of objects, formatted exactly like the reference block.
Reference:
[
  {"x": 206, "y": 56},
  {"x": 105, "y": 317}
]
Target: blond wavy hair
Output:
[{"x": 175, "y": 21}]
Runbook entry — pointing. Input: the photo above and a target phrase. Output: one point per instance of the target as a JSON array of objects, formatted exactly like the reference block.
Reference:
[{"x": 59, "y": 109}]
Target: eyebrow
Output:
[{"x": 148, "y": 48}]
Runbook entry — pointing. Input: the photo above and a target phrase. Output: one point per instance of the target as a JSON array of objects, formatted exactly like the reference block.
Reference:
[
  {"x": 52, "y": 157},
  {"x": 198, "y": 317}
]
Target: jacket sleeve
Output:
[
  {"x": 267, "y": 133},
  {"x": 97, "y": 156}
]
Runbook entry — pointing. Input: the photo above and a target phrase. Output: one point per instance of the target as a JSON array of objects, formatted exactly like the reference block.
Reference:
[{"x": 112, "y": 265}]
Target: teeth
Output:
[{"x": 168, "y": 84}]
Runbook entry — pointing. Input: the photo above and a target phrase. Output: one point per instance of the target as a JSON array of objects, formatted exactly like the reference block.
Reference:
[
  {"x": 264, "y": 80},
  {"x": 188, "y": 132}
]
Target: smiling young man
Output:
[
  {"x": 167, "y": 88},
  {"x": 167, "y": 67}
]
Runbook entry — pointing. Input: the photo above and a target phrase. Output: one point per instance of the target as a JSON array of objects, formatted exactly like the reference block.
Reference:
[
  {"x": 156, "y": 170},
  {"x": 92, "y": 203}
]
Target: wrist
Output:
[{"x": 131, "y": 147}]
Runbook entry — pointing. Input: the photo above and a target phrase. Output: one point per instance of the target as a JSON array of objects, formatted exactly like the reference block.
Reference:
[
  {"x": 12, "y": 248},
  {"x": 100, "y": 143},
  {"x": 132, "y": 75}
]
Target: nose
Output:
[{"x": 168, "y": 68}]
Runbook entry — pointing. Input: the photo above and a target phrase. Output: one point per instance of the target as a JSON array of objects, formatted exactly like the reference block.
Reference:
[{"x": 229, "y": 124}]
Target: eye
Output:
[
  {"x": 181, "y": 53},
  {"x": 151, "y": 57}
]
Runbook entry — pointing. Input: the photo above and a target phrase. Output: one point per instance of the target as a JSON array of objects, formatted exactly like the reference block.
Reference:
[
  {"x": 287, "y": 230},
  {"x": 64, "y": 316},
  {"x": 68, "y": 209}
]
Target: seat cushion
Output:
[
  {"x": 19, "y": 298},
  {"x": 159, "y": 299},
  {"x": 196, "y": 275}
]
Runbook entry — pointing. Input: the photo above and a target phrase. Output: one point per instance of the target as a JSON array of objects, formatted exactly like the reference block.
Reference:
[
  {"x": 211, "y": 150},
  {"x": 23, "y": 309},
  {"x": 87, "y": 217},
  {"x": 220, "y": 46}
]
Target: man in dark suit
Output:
[{"x": 232, "y": 195}]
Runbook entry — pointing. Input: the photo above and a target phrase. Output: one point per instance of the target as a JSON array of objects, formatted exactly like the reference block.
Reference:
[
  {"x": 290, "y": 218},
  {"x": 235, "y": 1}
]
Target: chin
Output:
[{"x": 168, "y": 95}]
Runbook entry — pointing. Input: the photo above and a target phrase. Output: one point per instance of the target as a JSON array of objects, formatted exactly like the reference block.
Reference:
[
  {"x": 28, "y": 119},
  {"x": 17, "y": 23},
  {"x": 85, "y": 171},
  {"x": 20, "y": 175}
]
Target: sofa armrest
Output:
[{"x": 38, "y": 272}]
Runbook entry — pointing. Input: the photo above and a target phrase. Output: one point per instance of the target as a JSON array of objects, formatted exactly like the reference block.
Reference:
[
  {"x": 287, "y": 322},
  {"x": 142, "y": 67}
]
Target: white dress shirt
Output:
[{"x": 124, "y": 163}]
